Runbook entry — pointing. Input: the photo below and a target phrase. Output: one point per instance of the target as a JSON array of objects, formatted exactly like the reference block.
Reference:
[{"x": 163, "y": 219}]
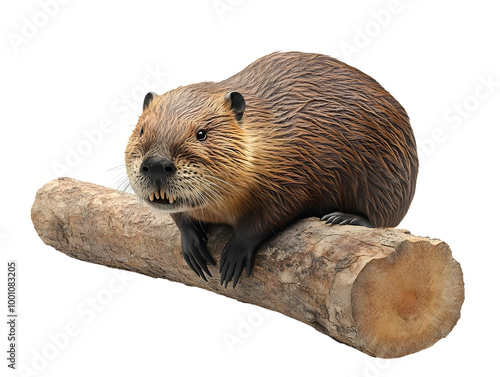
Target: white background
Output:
[{"x": 65, "y": 69}]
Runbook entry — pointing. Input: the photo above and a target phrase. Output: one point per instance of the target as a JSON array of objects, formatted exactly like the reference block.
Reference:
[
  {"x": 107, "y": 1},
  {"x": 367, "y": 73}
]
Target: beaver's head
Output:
[{"x": 188, "y": 150}]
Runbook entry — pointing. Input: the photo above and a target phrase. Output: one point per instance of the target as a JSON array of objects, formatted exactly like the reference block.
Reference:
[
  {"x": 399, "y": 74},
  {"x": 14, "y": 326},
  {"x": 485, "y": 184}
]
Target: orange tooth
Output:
[
  {"x": 171, "y": 200},
  {"x": 151, "y": 197},
  {"x": 157, "y": 194},
  {"x": 162, "y": 194}
]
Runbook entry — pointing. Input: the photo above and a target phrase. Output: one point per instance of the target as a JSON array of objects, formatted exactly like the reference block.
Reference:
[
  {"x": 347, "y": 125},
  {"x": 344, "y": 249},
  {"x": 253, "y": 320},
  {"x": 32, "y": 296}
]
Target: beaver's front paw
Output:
[
  {"x": 195, "y": 252},
  {"x": 237, "y": 255}
]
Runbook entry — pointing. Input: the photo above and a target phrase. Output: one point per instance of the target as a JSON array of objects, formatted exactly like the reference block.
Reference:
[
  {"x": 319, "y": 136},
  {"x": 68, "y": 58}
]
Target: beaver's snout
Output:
[{"x": 157, "y": 168}]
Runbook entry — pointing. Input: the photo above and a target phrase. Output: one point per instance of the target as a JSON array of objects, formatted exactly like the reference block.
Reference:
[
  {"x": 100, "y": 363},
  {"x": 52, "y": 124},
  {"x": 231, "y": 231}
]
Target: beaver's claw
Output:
[
  {"x": 236, "y": 256},
  {"x": 195, "y": 252}
]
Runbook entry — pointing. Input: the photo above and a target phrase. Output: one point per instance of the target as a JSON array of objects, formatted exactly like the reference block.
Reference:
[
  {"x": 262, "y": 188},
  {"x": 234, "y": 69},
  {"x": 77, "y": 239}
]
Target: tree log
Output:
[{"x": 383, "y": 291}]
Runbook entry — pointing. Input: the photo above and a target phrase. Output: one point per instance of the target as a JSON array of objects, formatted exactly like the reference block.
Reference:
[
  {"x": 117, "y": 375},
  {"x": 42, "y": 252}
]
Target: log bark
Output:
[{"x": 383, "y": 291}]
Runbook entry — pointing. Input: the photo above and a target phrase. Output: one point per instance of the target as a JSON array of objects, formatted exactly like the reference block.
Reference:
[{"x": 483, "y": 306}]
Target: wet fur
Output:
[{"x": 316, "y": 136}]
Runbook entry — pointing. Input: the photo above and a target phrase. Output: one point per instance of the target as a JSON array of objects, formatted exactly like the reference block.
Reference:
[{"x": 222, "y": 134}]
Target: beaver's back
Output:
[{"x": 352, "y": 141}]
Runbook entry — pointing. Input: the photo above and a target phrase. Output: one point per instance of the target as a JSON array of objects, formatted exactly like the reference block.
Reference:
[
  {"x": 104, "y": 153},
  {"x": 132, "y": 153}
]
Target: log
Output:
[{"x": 383, "y": 291}]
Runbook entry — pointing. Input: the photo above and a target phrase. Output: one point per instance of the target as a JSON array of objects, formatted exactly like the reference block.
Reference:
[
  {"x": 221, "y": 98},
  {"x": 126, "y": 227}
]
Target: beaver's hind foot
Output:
[{"x": 342, "y": 218}]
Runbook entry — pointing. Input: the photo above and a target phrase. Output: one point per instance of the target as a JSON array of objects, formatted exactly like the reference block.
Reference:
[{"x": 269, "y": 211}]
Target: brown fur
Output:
[{"x": 316, "y": 136}]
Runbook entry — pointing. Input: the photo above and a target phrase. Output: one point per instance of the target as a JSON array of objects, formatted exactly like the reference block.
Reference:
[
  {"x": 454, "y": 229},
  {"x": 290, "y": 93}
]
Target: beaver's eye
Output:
[
  {"x": 141, "y": 131},
  {"x": 201, "y": 135}
]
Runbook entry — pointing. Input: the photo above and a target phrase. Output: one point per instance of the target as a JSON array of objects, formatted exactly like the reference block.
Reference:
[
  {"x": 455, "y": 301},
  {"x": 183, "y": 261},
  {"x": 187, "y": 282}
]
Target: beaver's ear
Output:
[
  {"x": 149, "y": 97},
  {"x": 237, "y": 103}
]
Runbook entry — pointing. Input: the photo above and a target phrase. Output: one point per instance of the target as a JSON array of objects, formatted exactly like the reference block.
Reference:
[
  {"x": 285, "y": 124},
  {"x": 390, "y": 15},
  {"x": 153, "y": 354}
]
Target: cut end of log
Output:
[{"x": 408, "y": 301}]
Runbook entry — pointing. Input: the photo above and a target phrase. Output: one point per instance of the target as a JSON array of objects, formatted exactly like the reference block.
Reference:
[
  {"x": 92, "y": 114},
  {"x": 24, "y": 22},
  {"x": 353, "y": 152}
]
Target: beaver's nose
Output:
[{"x": 157, "y": 167}]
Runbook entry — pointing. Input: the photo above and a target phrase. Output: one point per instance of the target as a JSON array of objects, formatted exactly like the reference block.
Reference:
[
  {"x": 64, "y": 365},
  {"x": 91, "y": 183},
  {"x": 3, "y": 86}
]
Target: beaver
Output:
[{"x": 292, "y": 135}]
